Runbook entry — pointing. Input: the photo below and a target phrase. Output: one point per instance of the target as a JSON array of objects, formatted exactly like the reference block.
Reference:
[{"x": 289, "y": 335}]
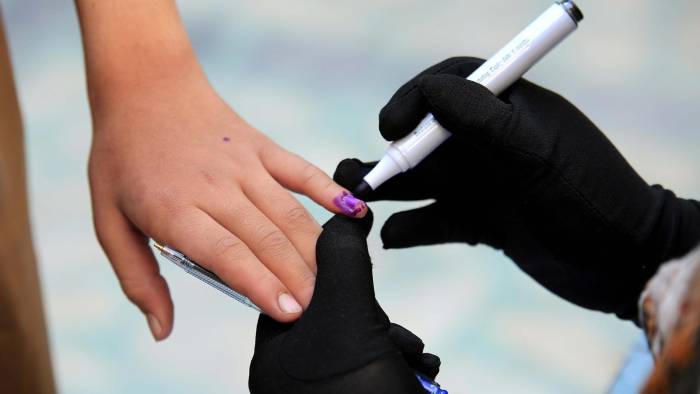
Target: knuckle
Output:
[
  {"x": 297, "y": 216},
  {"x": 209, "y": 178},
  {"x": 308, "y": 281},
  {"x": 232, "y": 207},
  {"x": 274, "y": 243},
  {"x": 310, "y": 173},
  {"x": 173, "y": 225},
  {"x": 268, "y": 148},
  {"x": 137, "y": 290},
  {"x": 165, "y": 199},
  {"x": 329, "y": 184},
  {"x": 228, "y": 260},
  {"x": 229, "y": 248}
]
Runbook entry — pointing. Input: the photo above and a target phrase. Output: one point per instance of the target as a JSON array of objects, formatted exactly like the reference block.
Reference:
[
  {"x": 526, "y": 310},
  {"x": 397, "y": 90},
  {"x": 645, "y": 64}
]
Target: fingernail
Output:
[
  {"x": 350, "y": 205},
  {"x": 154, "y": 325},
  {"x": 288, "y": 304}
]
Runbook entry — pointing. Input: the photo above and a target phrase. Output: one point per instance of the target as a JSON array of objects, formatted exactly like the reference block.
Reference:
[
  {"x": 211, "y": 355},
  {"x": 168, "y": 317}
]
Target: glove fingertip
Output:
[
  {"x": 342, "y": 225},
  {"x": 430, "y": 364},
  {"x": 349, "y": 173},
  {"x": 392, "y": 236},
  {"x": 405, "y": 229},
  {"x": 402, "y": 114}
]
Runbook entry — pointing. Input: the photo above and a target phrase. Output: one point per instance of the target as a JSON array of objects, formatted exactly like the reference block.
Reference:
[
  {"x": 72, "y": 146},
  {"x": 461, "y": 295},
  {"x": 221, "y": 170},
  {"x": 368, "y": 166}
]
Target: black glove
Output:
[
  {"x": 343, "y": 343},
  {"x": 529, "y": 174}
]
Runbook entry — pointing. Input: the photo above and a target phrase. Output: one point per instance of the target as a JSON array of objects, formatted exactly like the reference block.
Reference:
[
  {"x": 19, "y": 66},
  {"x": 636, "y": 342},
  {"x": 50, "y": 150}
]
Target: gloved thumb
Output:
[
  {"x": 342, "y": 318},
  {"x": 466, "y": 108},
  {"x": 344, "y": 266}
]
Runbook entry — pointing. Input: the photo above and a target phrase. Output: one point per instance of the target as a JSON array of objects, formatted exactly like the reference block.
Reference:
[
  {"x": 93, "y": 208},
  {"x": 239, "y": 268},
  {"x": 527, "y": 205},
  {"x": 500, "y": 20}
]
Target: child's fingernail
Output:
[
  {"x": 288, "y": 304},
  {"x": 350, "y": 205},
  {"x": 154, "y": 325}
]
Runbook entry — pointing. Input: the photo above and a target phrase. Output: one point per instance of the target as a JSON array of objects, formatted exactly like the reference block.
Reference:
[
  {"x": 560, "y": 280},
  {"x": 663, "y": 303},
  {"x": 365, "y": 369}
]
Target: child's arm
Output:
[{"x": 171, "y": 161}]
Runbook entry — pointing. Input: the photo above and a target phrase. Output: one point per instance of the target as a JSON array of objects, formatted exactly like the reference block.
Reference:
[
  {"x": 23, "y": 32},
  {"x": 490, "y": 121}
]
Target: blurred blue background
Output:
[{"x": 313, "y": 74}]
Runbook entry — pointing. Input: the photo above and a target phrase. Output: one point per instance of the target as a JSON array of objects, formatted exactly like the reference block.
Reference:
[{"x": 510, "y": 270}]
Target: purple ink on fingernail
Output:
[
  {"x": 227, "y": 140},
  {"x": 349, "y": 204}
]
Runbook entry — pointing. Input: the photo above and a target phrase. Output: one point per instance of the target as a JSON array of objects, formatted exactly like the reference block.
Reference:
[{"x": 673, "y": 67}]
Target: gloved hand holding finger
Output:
[{"x": 344, "y": 342}]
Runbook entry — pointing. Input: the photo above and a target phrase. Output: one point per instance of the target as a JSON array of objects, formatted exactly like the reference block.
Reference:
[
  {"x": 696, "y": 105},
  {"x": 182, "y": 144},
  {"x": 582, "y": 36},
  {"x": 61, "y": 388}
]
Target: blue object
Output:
[
  {"x": 635, "y": 370},
  {"x": 429, "y": 385}
]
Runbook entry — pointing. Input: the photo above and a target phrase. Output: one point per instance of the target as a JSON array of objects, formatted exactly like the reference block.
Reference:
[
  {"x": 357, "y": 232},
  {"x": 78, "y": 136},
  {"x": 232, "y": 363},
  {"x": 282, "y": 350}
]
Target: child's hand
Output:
[{"x": 171, "y": 161}]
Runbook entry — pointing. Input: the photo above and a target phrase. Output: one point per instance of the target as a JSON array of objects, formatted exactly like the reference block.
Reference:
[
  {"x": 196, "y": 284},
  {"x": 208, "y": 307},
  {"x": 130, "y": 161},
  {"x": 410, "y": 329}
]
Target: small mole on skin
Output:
[{"x": 227, "y": 140}]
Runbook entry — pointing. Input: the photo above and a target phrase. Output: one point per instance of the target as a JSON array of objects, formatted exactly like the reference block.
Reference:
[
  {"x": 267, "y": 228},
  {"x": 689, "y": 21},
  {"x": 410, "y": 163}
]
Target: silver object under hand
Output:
[{"x": 202, "y": 274}]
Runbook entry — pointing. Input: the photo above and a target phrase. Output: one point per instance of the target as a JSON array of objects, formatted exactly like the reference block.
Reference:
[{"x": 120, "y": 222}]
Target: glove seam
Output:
[
  {"x": 571, "y": 186},
  {"x": 646, "y": 272}
]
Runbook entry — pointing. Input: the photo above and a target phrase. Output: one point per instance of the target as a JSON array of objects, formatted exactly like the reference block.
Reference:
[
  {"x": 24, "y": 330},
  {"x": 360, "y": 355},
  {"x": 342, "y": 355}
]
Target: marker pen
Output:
[{"x": 497, "y": 74}]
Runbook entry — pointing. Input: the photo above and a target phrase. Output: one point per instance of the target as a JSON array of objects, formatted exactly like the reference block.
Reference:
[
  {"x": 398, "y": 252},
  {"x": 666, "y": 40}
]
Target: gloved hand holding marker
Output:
[
  {"x": 496, "y": 74},
  {"x": 529, "y": 174}
]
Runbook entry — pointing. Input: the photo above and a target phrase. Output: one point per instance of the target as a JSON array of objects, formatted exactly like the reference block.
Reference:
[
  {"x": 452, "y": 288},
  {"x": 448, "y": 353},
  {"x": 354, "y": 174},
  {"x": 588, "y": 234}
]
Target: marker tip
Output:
[{"x": 362, "y": 190}]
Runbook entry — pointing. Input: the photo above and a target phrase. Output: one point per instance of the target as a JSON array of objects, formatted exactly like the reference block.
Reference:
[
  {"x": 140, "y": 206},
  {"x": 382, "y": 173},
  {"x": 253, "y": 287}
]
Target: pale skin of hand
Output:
[{"x": 171, "y": 161}]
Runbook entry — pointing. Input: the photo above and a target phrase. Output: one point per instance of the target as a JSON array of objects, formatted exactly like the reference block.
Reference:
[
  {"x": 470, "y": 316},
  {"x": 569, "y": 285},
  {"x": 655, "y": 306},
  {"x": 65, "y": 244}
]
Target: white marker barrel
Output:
[{"x": 496, "y": 74}]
